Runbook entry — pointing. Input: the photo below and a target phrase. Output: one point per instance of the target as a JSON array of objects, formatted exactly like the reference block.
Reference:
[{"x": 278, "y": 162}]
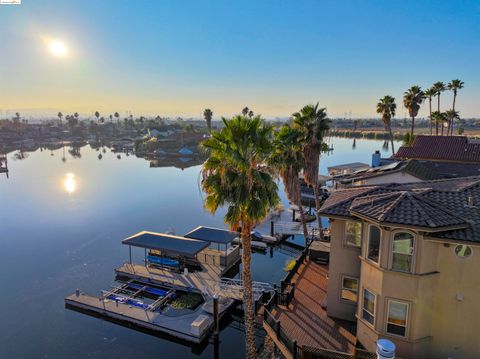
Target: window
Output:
[
  {"x": 402, "y": 252},
  {"x": 397, "y": 317},
  {"x": 463, "y": 251},
  {"x": 373, "y": 244},
  {"x": 354, "y": 233},
  {"x": 368, "y": 309},
  {"x": 349, "y": 288}
]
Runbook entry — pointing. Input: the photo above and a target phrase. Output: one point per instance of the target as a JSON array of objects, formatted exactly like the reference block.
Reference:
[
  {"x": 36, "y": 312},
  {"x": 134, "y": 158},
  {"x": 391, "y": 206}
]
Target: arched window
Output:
[
  {"x": 402, "y": 252},
  {"x": 373, "y": 244}
]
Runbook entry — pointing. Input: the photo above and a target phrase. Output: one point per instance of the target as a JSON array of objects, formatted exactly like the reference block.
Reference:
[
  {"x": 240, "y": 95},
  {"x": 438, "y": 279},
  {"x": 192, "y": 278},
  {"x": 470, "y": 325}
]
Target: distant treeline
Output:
[{"x": 371, "y": 135}]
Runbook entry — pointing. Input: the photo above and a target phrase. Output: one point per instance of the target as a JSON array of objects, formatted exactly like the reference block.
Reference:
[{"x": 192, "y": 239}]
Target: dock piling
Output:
[{"x": 215, "y": 316}]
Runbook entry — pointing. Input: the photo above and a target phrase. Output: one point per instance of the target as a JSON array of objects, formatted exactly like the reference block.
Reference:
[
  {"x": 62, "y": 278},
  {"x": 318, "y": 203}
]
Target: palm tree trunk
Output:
[
  {"x": 438, "y": 109},
  {"x": 248, "y": 292},
  {"x": 391, "y": 139},
  {"x": 317, "y": 207},
  {"x": 302, "y": 216},
  {"x": 453, "y": 109},
  {"x": 430, "y": 106},
  {"x": 412, "y": 129}
]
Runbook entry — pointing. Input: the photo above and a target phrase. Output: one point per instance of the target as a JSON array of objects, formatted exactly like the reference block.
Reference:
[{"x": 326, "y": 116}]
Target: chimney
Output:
[{"x": 376, "y": 159}]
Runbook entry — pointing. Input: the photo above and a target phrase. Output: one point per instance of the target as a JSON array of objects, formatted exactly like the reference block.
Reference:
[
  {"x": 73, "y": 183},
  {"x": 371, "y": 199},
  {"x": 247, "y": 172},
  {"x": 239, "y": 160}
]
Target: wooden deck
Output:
[{"x": 306, "y": 320}]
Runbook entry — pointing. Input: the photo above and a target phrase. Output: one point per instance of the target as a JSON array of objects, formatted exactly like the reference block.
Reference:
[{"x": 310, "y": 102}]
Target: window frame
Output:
[
  {"x": 412, "y": 263},
  {"x": 462, "y": 245},
  {"x": 342, "y": 288},
  {"x": 407, "y": 314},
  {"x": 349, "y": 244},
  {"x": 374, "y": 307},
  {"x": 379, "y": 245}
]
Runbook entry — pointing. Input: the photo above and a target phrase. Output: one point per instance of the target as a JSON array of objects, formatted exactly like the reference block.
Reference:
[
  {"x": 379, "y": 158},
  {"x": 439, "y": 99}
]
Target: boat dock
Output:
[{"x": 177, "y": 271}]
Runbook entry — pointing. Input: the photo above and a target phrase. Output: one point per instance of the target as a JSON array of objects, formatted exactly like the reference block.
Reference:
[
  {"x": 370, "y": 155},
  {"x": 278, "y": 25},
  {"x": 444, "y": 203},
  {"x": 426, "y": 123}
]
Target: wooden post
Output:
[
  {"x": 293, "y": 215},
  {"x": 295, "y": 354},
  {"x": 130, "y": 253},
  {"x": 272, "y": 228},
  {"x": 215, "y": 316}
]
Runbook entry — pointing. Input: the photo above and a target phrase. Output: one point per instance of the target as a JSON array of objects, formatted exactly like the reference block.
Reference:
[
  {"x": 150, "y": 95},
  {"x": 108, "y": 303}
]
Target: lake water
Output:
[{"x": 60, "y": 229}]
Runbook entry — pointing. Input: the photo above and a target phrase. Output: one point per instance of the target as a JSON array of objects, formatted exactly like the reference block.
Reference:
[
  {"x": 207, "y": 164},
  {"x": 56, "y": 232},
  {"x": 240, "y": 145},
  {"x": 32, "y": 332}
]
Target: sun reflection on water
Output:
[{"x": 69, "y": 183}]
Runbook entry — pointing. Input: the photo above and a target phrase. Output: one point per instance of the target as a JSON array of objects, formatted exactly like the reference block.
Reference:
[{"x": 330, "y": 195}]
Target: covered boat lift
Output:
[{"x": 169, "y": 247}]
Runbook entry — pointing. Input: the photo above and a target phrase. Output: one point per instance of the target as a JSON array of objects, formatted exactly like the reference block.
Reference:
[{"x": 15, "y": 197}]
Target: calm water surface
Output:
[{"x": 61, "y": 226}]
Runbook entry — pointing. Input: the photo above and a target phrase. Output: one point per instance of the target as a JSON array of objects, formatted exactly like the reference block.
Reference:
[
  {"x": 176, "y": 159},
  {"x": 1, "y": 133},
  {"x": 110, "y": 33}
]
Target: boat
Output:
[
  {"x": 254, "y": 244},
  {"x": 264, "y": 237}
]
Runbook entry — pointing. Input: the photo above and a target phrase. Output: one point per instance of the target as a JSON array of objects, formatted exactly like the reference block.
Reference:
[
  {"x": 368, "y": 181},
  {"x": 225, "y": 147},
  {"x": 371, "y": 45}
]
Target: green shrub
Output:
[{"x": 187, "y": 301}]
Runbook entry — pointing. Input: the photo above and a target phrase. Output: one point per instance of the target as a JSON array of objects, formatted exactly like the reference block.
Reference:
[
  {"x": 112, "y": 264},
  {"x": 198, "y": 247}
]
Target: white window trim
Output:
[
  {"x": 379, "y": 245},
  {"x": 374, "y": 307},
  {"x": 412, "y": 266},
  {"x": 342, "y": 288},
  {"x": 406, "y": 318},
  {"x": 346, "y": 233}
]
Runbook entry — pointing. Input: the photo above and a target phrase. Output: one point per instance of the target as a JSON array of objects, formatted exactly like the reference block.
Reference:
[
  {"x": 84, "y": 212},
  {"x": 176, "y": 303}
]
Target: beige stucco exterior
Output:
[{"x": 442, "y": 291}]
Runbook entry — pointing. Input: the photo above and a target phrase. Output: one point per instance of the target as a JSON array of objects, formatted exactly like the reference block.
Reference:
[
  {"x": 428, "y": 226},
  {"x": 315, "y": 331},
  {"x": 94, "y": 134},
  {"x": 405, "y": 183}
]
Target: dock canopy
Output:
[
  {"x": 212, "y": 235},
  {"x": 166, "y": 243}
]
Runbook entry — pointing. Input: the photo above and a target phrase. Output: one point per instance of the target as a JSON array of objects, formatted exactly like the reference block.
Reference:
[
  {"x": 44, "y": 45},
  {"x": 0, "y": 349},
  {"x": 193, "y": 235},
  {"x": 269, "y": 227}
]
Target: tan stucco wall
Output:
[
  {"x": 456, "y": 321},
  {"x": 343, "y": 261}
]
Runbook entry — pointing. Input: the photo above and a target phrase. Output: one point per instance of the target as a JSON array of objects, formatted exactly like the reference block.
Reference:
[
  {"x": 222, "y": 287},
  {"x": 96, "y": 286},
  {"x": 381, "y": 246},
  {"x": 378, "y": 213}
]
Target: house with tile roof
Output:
[
  {"x": 407, "y": 171},
  {"x": 441, "y": 148},
  {"x": 404, "y": 261}
]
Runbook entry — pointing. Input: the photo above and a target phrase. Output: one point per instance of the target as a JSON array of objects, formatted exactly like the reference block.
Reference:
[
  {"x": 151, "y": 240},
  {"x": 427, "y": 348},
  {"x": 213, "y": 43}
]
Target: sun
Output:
[{"x": 57, "y": 48}]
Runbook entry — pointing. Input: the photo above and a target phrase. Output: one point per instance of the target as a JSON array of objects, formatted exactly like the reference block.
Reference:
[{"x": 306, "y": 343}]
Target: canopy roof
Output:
[
  {"x": 166, "y": 243},
  {"x": 209, "y": 234}
]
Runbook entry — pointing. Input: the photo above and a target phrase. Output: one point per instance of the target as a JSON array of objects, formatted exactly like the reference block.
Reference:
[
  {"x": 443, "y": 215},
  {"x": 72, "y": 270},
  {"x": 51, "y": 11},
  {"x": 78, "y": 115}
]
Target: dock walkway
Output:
[{"x": 208, "y": 281}]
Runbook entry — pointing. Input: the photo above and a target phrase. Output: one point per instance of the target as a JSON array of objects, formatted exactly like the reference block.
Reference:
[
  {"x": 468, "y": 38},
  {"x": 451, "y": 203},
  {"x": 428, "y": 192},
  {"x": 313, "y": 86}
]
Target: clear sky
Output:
[{"x": 178, "y": 57}]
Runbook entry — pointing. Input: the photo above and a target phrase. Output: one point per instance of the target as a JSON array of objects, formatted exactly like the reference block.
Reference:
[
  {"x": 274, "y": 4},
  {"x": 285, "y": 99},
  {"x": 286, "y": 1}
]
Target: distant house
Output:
[
  {"x": 156, "y": 133},
  {"x": 346, "y": 168},
  {"x": 185, "y": 151},
  {"x": 404, "y": 262},
  {"x": 409, "y": 171},
  {"x": 441, "y": 148}
]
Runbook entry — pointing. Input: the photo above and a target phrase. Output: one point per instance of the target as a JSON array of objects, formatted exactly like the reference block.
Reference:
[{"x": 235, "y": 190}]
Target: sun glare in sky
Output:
[{"x": 57, "y": 48}]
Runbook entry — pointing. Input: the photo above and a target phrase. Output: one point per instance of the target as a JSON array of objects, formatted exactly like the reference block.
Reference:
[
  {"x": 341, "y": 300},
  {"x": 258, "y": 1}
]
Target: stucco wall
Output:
[{"x": 343, "y": 261}]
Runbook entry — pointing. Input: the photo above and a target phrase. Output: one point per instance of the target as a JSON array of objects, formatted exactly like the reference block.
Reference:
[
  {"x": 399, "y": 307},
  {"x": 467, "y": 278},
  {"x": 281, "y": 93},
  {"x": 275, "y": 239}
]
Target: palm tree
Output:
[
  {"x": 60, "y": 115},
  {"x": 412, "y": 99},
  {"x": 314, "y": 123},
  {"x": 288, "y": 161},
  {"x": 451, "y": 116},
  {"x": 207, "y": 115},
  {"x": 250, "y": 114},
  {"x": 439, "y": 87},
  {"x": 245, "y": 111},
  {"x": 386, "y": 107},
  {"x": 454, "y": 86},
  {"x": 236, "y": 176},
  {"x": 97, "y": 115},
  {"x": 429, "y": 93},
  {"x": 117, "y": 116}
]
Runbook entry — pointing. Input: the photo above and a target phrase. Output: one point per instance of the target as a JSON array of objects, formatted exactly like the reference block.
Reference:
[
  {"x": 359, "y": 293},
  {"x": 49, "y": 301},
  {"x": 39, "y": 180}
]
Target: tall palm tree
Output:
[
  {"x": 430, "y": 93},
  {"x": 245, "y": 111},
  {"x": 117, "y": 116},
  {"x": 314, "y": 123},
  {"x": 386, "y": 107},
  {"x": 288, "y": 161},
  {"x": 454, "y": 86},
  {"x": 207, "y": 115},
  {"x": 236, "y": 176},
  {"x": 439, "y": 87},
  {"x": 412, "y": 99},
  {"x": 60, "y": 115},
  {"x": 250, "y": 114},
  {"x": 97, "y": 115}
]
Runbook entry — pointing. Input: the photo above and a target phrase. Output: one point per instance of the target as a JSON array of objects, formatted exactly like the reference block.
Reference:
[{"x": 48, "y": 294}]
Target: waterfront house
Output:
[
  {"x": 411, "y": 170},
  {"x": 404, "y": 262}
]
